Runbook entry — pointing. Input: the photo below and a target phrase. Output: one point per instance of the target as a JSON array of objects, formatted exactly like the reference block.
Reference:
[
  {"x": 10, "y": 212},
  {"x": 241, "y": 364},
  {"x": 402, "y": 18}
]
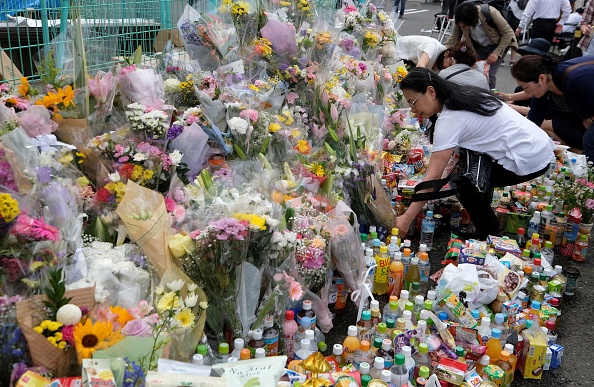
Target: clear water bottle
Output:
[
  {"x": 547, "y": 252},
  {"x": 427, "y": 230}
]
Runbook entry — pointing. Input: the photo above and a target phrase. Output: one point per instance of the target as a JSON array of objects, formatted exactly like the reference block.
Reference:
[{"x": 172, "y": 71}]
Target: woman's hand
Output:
[
  {"x": 403, "y": 224},
  {"x": 523, "y": 110}
]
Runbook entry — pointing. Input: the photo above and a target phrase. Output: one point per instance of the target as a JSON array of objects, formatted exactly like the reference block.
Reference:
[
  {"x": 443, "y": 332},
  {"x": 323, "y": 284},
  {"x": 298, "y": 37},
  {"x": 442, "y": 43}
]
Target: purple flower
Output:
[
  {"x": 229, "y": 228},
  {"x": 174, "y": 131},
  {"x": 43, "y": 174}
]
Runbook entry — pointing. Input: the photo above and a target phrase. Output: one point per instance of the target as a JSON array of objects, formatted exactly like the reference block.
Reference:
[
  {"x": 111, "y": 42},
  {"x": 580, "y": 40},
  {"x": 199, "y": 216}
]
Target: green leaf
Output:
[
  {"x": 137, "y": 57},
  {"x": 333, "y": 134},
  {"x": 264, "y": 146},
  {"x": 239, "y": 152}
]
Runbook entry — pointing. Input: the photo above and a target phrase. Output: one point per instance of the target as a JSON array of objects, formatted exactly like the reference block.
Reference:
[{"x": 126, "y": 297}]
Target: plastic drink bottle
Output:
[
  {"x": 244, "y": 354},
  {"x": 202, "y": 349},
  {"x": 260, "y": 353},
  {"x": 342, "y": 295},
  {"x": 386, "y": 377},
  {"x": 547, "y": 252},
  {"x": 365, "y": 368},
  {"x": 336, "y": 360},
  {"x": 377, "y": 345},
  {"x": 375, "y": 315},
  {"x": 545, "y": 222},
  {"x": 223, "y": 354},
  {"x": 427, "y": 230},
  {"x": 423, "y": 376},
  {"x": 305, "y": 326},
  {"x": 393, "y": 238},
  {"x": 390, "y": 327},
  {"x": 407, "y": 315},
  {"x": 513, "y": 359},
  {"x": 198, "y": 359},
  {"x": 351, "y": 343},
  {"x": 391, "y": 309},
  {"x": 534, "y": 312},
  {"x": 363, "y": 354},
  {"x": 581, "y": 248},
  {"x": 399, "y": 371},
  {"x": 409, "y": 362},
  {"x": 418, "y": 306},
  {"x": 290, "y": 329},
  {"x": 507, "y": 368},
  {"x": 421, "y": 358},
  {"x": 392, "y": 249},
  {"x": 412, "y": 275},
  {"x": 406, "y": 255},
  {"x": 376, "y": 246},
  {"x": 387, "y": 353},
  {"x": 422, "y": 330},
  {"x": 381, "y": 331},
  {"x": 378, "y": 367},
  {"x": 399, "y": 205},
  {"x": 396, "y": 276},
  {"x": 422, "y": 249},
  {"x": 494, "y": 346},
  {"x": 424, "y": 271},
  {"x": 304, "y": 350},
  {"x": 534, "y": 223},
  {"x": 404, "y": 294},
  {"x": 270, "y": 335},
  {"x": 521, "y": 238},
  {"x": 410, "y": 307},
  {"x": 460, "y": 354},
  {"x": 571, "y": 232},
  {"x": 484, "y": 361},
  {"x": 500, "y": 324},
  {"x": 311, "y": 336},
  {"x": 380, "y": 283},
  {"x": 238, "y": 345},
  {"x": 306, "y": 311}
]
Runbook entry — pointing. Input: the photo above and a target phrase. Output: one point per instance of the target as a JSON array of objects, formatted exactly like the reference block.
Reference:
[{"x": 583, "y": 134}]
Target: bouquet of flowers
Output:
[{"x": 154, "y": 123}]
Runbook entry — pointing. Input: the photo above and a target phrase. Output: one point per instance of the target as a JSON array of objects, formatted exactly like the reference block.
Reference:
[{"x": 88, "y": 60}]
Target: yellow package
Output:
[{"x": 32, "y": 379}]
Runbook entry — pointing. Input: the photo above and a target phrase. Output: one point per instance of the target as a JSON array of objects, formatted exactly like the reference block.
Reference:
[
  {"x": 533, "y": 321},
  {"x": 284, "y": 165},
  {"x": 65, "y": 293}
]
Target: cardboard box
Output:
[
  {"x": 473, "y": 256},
  {"x": 534, "y": 354},
  {"x": 451, "y": 371},
  {"x": 472, "y": 378},
  {"x": 548, "y": 358},
  {"x": 556, "y": 355},
  {"x": 8, "y": 70}
]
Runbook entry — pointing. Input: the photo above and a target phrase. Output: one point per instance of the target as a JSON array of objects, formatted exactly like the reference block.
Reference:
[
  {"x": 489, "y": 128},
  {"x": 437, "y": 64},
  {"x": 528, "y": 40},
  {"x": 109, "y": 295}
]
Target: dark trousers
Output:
[
  {"x": 543, "y": 28},
  {"x": 478, "y": 204},
  {"x": 448, "y": 7},
  {"x": 588, "y": 140}
]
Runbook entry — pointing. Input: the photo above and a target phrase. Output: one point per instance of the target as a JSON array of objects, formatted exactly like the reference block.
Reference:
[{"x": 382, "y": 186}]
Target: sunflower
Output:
[
  {"x": 168, "y": 301},
  {"x": 89, "y": 337},
  {"x": 185, "y": 318},
  {"x": 23, "y": 88}
]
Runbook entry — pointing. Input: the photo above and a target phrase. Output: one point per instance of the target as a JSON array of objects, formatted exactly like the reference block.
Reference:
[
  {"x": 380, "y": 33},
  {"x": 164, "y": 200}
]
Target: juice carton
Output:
[
  {"x": 451, "y": 304},
  {"x": 451, "y": 371},
  {"x": 548, "y": 358},
  {"x": 534, "y": 354},
  {"x": 557, "y": 355}
]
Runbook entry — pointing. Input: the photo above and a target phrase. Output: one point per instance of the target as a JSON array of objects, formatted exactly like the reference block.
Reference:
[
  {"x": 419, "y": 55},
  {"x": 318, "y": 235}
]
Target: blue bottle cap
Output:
[
  {"x": 366, "y": 315},
  {"x": 499, "y": 318},
  {"x": 306, "y": 321},
  {"x": 475, "y": 314},
  {"x": 429, "y": 214},
  {"x": 443, "y": 316},
  {"x": 496, "y": 333},
  {"x": 535, "y": 305},
  {"x": 377, "y": 242}
]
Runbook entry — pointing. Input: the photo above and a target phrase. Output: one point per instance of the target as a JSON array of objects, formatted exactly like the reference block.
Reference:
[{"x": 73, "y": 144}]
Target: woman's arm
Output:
[{"x": 439, "y": 160}]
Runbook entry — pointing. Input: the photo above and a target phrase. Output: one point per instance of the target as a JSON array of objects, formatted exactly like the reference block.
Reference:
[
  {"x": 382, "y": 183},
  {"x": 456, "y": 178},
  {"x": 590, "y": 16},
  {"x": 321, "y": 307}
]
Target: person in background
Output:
[
  {"x": 489, "y": 40},
  {"x": 573, "y": 21},
  {"x": 586, "y": 28},
  {"x": 456, "y": 64},
  {"x": 561, "y": 89},
  {"x": 545, "y": 18},
  {"x": 421, "y": 50},
  {"x": 448, "y": 7},
  {"x": 474, "y": 119},
  {"x": 514, "y": 14},
  {"x": 399, "y": 5}
]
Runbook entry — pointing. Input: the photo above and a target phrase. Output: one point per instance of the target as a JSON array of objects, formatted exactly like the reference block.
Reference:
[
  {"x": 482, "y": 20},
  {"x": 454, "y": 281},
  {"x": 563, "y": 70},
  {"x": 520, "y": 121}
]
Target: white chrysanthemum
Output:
[
  {"x": 137, "y": 106},
  {"x": 238, "y": 125},
  {"x": 191, "y": 300},
  {"x": 140, "y": 157},
  {"x": 176, "y": 157},
  {"x": 172, "y": 85},
  {"x": 114, "y": 177},
  {"x": 203, "y": 305},
  {"x": 69, "y": 314},
  {"x": 192, "y": 287},
  {"x": 159, "y": 290},
  {"x": 176, "y": 285}
]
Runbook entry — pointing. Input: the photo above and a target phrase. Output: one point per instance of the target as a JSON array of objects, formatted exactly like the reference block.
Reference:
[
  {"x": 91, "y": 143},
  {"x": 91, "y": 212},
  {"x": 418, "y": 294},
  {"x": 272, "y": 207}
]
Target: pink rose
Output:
[
  {"x": 250, "y": 114},
  {"x": 137, "y": 327},
  {"x": 128, "y": 69},
  {"x": 37, "y": 121},
  {"x": 179, "y": 212},
  {"x": 169, "y": 204}
]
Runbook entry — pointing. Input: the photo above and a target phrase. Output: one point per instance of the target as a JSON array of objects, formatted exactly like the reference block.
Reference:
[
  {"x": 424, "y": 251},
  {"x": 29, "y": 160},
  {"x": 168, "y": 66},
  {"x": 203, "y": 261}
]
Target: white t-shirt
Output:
[
  {"x": 508, "y": 137},
  {"x": 411, "y": 47}
]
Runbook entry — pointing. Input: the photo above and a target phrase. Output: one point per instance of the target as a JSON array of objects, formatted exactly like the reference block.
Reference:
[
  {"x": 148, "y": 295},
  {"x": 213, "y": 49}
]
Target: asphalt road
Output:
[{"x": 577, "y": 320}]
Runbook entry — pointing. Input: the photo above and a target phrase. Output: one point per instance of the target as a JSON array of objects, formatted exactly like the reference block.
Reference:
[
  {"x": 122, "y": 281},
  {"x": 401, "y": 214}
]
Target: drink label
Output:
[
  {"x": 290, "y": 345},
  {"x": 271, "y": 345}
]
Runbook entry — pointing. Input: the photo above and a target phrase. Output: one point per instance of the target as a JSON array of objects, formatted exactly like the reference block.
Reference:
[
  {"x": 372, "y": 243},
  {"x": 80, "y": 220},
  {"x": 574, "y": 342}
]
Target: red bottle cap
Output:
[
  {"x": 554, "y": 302},
  {"x": 550, "y": 325},
  {"x": 521, "y": 231},
  {"x": 537, "y": 262},
  {"x": 289, "y": 315}
]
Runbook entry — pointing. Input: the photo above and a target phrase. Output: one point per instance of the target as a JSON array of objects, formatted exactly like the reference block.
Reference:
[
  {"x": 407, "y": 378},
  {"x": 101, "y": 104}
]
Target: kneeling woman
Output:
[{"x": 474, "y": 119}]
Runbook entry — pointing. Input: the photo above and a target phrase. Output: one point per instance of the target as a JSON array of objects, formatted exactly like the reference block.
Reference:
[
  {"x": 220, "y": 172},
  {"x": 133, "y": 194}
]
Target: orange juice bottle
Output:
[
  {"x": 396, "y": 276},
  {"x": 507, "y": 368},
  {"x": 494, "y": 346},
  {"x": 351, "y": 344}
]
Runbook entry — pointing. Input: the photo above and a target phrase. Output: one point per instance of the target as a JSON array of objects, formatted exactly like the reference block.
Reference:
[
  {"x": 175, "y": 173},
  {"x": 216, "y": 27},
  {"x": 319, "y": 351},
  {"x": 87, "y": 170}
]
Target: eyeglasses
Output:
[{"x": 412, "y": 104}]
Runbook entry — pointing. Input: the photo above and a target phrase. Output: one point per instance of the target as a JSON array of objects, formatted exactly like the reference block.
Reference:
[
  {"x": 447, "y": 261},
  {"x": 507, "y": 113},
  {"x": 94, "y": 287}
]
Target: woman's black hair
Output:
[
  {"x": 530, "y": 67},
  {"x": 440, "y": 58},
  {"x": 451, "y": 95},
  {"x": 467, "y": 13}
]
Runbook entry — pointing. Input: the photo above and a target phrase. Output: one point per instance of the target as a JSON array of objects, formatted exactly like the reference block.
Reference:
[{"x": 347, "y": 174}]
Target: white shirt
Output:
[
  {"x": 478, "y": 34},
  {"x": 572, "y": 23},
  {"x": 511, "y": 139},
  {"x": 412, "y": 47},
  {"x": 471, "y": 77},
  {"x": 545, "y": 9}
]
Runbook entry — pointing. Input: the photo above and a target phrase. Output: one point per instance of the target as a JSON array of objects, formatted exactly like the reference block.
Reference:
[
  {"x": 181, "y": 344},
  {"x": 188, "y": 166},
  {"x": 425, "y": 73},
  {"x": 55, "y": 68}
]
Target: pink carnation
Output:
[{"x": 249, "y": 114}]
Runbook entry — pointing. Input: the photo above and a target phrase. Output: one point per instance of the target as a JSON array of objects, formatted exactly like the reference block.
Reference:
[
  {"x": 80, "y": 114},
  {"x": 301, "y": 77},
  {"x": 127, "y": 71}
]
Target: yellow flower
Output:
[
  {"x": 62, "y": 344},
  {"x": 371, "y": 39},
  {"x": 54, "y": 326},
  {"x": 82, "y": 181},
  {"x": 318, "y": 242},
  {"x": 137, "y": 173},
  {"x": 180, "y": 245},
  {"x": 52, "y": 340},
  {"x": 9, "y": 207},
  {"x": 89, "y": 337},
  {"x": 273, "y": 127},
  {"x": 38, "y": 329},
  {"x": 169, "y": 301},
  {"x": 318, "y": 170},
  {"x": 66, "y": 96},
  {"x": 147, "y": 175},
  {"x": 23, "y": 88},
  {"x": 240, "y": 8},
  {"x": 123, "y": 315},
  {"x": 118, "y": 188},
  {"x": 58, "y": 336},
  {"x": 66, "y": 158},
  {"x": 286, "y": 117},
  {"x": 256, "y": 222},
  {"x": 45, "y": 324},
  {"x": 323, "y": 38},
  {"x": 185, "y": 318},
  {"x": 36, "y": 265},
  {"x": 303, "y": 147}
]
